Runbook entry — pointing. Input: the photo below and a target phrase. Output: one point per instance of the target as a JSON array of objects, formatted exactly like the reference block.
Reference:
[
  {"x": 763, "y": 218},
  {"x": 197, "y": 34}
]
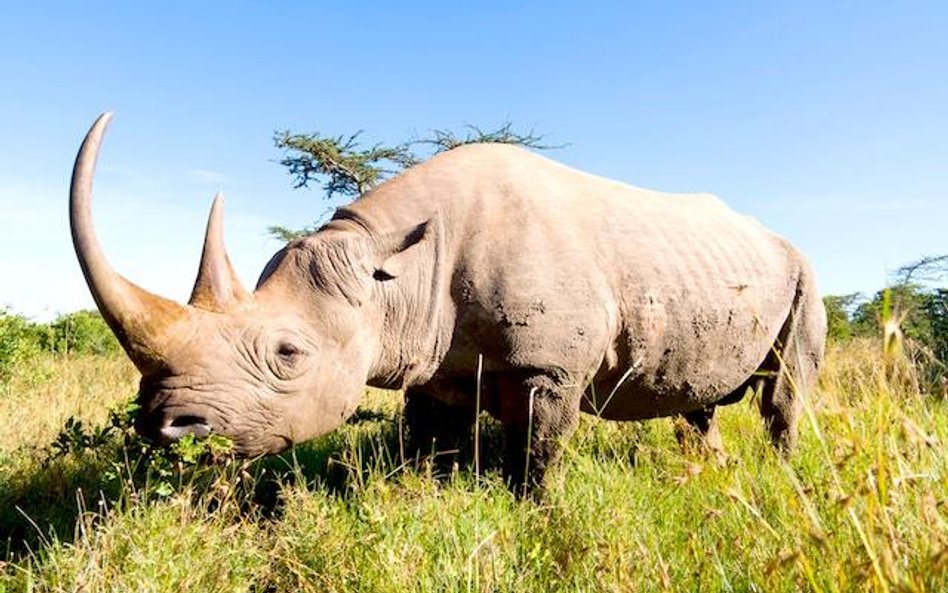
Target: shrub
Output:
[
  {"x": 19, "y": 340},
  {"x": 82, "y": 332},
  {"x": 838, "y": 315}
]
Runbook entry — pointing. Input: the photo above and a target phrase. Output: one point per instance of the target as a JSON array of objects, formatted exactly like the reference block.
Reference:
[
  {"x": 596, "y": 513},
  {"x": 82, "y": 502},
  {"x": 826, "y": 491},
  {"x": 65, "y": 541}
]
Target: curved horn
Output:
[
  {"x": 217, "y": 285},
  {"x": 139, "y": 319}
]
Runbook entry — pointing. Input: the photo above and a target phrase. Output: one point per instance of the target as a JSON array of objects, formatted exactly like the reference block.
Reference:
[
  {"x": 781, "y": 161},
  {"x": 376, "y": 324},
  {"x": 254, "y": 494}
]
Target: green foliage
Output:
[
  {"x": 288, "y": 235},
  {"x": 908, "y": 317},
  {"x": 82, "y": 332},
  {"x": 838, "y": 308},
  {"x": 156, "y": 465},
  {"x": 340, "y": 162},
  {"x": 931, "y": 304},
  {"x": 343, "y": 167},
  {"x": 910, "y": 303},
  {"x": 937, "y": 312},
  {"x": 19, "y": 341}
]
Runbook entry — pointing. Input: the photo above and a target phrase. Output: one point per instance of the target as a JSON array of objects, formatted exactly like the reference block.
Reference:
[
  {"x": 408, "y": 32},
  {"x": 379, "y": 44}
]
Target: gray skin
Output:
[{"x": 580, "y": 294}]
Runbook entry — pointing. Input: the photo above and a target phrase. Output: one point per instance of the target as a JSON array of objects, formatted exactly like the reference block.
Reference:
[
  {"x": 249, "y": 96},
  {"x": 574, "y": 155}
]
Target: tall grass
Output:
[{"x": 861, "y": 506}]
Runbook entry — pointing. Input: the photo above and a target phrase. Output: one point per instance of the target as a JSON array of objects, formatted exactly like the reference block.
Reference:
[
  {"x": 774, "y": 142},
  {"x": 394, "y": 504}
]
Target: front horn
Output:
[{"x": 141, "y": 321}]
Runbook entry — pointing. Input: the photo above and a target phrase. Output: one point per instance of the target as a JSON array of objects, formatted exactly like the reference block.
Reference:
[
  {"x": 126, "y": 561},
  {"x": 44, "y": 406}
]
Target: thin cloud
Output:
[{"x": 209, "y": 177}]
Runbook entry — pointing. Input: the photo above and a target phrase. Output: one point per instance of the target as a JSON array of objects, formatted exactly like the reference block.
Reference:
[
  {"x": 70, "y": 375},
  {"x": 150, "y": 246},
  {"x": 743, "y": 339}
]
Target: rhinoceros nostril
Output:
[
  {"x": 185, "y": 425},
  {"x": 187, "y": 420}
]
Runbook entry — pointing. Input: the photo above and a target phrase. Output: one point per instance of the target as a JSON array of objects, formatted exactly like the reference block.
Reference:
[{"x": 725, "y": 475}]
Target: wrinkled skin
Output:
[
  {"x": 579, "y": 293},
  {"x": 271, "y": 364}
]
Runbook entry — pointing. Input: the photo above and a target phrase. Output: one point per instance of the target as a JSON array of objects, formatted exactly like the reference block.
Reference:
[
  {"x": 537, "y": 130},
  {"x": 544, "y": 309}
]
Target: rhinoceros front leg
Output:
[
  {"x": 699, "y": 429},
  {"x": 435, "y": 429},
  {"x": 538, "y": 411}
]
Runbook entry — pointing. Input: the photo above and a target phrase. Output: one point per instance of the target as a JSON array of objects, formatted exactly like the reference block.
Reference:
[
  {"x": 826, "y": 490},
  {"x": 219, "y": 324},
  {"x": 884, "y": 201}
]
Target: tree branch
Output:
[
  {"x": 931, "y": 268},
  {"x": 342, "y": 167}
]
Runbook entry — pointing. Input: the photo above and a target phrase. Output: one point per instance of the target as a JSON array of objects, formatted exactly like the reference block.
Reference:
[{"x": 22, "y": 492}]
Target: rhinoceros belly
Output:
[{"x": 698, "y": 318}]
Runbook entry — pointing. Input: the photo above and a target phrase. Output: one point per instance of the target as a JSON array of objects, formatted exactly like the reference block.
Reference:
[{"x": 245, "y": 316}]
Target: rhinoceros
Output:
[{"x": 487, "y": 275}]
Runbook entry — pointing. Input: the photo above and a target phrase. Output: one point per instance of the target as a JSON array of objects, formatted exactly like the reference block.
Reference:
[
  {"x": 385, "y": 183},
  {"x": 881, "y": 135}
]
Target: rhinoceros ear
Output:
[{"x": 398, "y": 249}]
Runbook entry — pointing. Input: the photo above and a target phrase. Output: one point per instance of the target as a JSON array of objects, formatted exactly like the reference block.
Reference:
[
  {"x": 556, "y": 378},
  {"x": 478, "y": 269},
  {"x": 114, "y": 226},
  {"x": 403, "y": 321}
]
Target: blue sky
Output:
[{"x": 828, "y": 121}]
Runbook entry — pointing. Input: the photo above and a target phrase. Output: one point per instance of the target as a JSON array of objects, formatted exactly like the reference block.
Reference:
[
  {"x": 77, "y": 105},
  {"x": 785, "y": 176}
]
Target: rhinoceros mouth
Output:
[
  {"x": 166, "y": 430},
  {"x": 185, "y": 425}
]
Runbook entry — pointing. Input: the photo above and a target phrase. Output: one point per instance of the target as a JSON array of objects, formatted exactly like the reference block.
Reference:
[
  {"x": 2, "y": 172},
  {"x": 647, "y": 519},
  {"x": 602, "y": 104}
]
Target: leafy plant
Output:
[
  {"x": 19, "y": 340},
  {"x": 82, "y": 332},
  {"x": 838, "y": 312},
  {"x": 912, "y": 321},
  {"x": 157, "y": 466}
]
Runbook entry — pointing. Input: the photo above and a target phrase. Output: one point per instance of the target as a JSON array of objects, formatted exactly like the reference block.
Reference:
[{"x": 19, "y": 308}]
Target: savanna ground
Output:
[{"x": 861, "y": 506}]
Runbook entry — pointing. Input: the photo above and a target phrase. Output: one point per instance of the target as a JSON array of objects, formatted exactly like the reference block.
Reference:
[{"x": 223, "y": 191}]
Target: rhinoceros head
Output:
[{"x": 269, "y": 368}]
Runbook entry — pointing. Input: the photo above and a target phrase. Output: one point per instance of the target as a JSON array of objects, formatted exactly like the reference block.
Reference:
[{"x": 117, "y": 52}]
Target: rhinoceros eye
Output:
[
  {"x": 288, "y": 353},
  {"x": 285, "y": 360},
  {"x": 285, "y": 354}
]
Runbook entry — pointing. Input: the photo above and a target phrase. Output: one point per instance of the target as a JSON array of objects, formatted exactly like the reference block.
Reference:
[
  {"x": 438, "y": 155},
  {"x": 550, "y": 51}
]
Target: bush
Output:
[
  {"x": 19, "y": 340},
  {"x": 839, "y": 324},
  {"x": 82, "y": 332},
  {"x": 909, "y": 317}
]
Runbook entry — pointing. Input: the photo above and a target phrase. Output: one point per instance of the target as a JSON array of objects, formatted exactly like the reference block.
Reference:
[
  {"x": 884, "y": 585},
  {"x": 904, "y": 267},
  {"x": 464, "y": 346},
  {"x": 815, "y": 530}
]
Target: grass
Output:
[{"x": 861, "y": 506}]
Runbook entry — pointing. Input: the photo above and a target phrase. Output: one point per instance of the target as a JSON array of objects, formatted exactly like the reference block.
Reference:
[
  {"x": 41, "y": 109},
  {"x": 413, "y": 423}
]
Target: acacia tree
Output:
[
  {"x": 910, "y": 303},
  {"x": 915, "y": 295},
  {"x": 914, "y": 301},
  {"x": 341, "y": 166}
]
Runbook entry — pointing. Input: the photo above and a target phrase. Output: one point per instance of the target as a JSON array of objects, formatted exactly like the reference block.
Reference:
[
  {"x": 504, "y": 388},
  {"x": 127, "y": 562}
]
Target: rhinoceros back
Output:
[{"x": 674, "y": 298}]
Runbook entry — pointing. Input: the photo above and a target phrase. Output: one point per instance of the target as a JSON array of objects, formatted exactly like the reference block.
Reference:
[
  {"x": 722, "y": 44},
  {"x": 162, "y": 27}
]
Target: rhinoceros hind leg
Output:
[
  {"x": 533, "y": 442},
  {"x": 791, "y": 367},
  {"x": 435, "y": 430}
]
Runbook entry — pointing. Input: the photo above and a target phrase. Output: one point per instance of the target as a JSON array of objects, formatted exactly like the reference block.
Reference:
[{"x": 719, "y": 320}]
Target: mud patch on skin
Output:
[{"x": 519, "y": 315}]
